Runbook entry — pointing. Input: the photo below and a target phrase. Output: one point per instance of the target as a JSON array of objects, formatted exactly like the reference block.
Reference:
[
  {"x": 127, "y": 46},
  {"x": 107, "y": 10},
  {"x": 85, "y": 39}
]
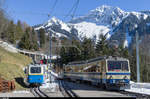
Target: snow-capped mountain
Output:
[
  {"x": 116, "y": 23},
  {"x": 98, "y": 21},
  {"x": 103, "y": 15}
]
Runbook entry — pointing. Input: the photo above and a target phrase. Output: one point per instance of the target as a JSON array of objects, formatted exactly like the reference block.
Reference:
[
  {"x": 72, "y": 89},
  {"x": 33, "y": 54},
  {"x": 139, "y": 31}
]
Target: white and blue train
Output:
[
  {"x": 36, "y": 74},
  {"x": 106, "y": 72}
]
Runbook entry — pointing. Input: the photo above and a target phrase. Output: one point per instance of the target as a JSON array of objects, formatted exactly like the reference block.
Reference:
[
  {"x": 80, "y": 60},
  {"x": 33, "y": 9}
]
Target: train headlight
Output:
[
  {"x": 125, "y": 77},
  {"x": 110, "y": 77}
]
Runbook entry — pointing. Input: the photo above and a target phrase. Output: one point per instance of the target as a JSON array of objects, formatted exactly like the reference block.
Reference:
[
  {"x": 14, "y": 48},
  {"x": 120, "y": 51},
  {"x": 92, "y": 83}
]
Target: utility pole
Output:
[
  {"x": 137, "y": 57},
  {"x": 50, "y": 48}
]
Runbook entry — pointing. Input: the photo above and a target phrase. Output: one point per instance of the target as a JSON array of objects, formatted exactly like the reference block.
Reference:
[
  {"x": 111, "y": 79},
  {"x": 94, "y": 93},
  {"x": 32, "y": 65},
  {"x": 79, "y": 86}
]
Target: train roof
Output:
[
  {"x": 35, "y": 65},
  {"x": 95, "y": 59}
]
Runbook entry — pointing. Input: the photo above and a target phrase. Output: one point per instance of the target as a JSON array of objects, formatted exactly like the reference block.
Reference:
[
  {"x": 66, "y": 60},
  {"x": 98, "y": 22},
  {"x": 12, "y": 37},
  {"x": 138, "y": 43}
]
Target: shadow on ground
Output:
[{"x": 20, "y": 81}]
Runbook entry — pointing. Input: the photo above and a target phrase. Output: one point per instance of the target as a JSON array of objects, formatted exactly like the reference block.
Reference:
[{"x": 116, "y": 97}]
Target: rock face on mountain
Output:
[
  {"x": 134, "y": 22},
  {"x": 113, "y": 22}
]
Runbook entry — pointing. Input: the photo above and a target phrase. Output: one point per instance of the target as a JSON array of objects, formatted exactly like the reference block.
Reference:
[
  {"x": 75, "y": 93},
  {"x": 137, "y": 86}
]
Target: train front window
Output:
[
  {"x": 125, "y": 66},
  {"x": 118, "y": 65},
  {"x": 35, "y": 70}
]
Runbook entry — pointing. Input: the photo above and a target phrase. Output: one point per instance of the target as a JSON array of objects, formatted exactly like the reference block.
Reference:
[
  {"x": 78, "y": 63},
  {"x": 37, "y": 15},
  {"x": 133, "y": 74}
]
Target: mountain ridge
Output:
[{"x": 102, "y": 20}]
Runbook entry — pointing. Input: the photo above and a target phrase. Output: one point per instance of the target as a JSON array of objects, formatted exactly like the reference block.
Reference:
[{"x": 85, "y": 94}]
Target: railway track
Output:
[
  {"x": 130, "y": 94},
  {"x": 66, "y": 90},
  {"x": 37, "y": 92}
]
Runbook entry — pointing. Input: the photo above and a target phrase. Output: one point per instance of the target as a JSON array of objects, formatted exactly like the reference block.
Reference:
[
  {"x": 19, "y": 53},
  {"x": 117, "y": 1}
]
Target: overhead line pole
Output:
[
  {"x": 50, "y": 52},
  {"x": 137, "y": 57},
  {"x": 50, "y": 42}
]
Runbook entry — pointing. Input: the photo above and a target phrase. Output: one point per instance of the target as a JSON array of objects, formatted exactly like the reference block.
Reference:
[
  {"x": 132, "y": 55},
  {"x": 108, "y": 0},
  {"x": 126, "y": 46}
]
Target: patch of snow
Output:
[
  {"x": 145, "y": 16},
  {"x": 148, "y": 24},
  {"x": 125, "y": 44},
  {"x": 39, "y": 28},
  {"x": 139, "y": 90},
  {"x": 54, "y": 74},
  {"x": 60, "y": 35},
  {"x": 143, "y": 88},
  {"x": 24, "y": 91},
  {"x": 52, "y": 87},
  {"x": 51, "y": 84},
  {"x": 8, "y": 47},
  {"x": 90, "y": 30},
  {"x": 139, "y": 15},
  {"x": 52, "y": 57},
  {"x": 132, "y": 82}
]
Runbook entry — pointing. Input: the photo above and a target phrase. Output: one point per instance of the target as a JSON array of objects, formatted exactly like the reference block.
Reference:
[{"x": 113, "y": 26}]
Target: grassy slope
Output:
[{"x": 11, "y": 65}]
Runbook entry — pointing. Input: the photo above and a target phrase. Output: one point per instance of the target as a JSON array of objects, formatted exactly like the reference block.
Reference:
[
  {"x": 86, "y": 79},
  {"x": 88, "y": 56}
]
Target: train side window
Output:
[
  {"x": 98, "y": 67},
  {"x": 76, "y": 68}
]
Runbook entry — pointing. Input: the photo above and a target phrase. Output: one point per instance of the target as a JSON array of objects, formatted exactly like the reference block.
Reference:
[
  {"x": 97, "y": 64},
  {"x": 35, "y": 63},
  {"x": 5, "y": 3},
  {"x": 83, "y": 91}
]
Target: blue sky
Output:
[{"x": 35, "y": 11}]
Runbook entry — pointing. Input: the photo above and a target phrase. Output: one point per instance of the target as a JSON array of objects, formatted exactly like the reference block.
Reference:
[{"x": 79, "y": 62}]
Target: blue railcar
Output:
[{"x": 36, "y": 75}]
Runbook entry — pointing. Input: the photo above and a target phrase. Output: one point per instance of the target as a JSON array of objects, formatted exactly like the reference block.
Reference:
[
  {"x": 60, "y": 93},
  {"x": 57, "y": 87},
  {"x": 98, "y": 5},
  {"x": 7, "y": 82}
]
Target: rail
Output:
[
  {"x": 37, "y": 92},
  {"x": 127, "y": 93},
  {"x": 66, "y": 91}
]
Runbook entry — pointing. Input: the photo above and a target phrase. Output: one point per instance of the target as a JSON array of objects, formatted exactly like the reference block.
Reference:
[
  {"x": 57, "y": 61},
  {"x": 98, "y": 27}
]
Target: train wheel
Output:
[
  {"x": 31, "y": 85},
  {"x": 82, "y": 82},
  {"x": 89, "y": 83},
  {"x": 104, "y": 87}
]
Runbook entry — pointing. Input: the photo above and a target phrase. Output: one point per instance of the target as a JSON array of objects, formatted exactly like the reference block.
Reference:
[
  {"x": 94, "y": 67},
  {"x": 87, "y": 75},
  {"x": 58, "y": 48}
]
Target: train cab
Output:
[
  {"x": 117, "y": 72},
  {"x": 35, "y": 74}
]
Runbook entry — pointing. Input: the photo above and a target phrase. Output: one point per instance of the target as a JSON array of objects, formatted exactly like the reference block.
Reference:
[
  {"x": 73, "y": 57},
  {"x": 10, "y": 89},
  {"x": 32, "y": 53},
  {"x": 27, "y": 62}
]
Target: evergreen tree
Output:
[
  {"x": 42, "y": 37},
  {"x": 3, "y": 24},
  {"x": 34, "y": 40},
  {"x": 25, "y": 40},
  {"x": 124, "y": 52},
  {"x": 76, "y": 50},
  {"x": 19, "y": 30},
  {"x": 11, "y": 32},
  {"x": 63, "y": 55},
  {"x": 102, "y": 46},
  {"x": 73, "y": 53},
  {"x": 29, "y": 40},
  {"x": 88, "y": 50}
]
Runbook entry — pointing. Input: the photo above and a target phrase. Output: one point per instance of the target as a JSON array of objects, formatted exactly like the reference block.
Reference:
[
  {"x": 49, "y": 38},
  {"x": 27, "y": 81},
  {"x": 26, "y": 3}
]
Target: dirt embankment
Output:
[{"x": 11, "y": 66}]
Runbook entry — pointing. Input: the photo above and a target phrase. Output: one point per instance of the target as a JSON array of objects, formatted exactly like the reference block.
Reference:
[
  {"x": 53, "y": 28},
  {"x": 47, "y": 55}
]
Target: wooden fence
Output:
[{"x": 6, "y": 86}]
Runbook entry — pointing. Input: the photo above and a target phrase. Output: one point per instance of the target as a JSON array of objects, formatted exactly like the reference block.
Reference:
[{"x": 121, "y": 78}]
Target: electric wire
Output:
[
  {"x": 53, "y": 7},
  {"x": 74, "y": 7}
]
